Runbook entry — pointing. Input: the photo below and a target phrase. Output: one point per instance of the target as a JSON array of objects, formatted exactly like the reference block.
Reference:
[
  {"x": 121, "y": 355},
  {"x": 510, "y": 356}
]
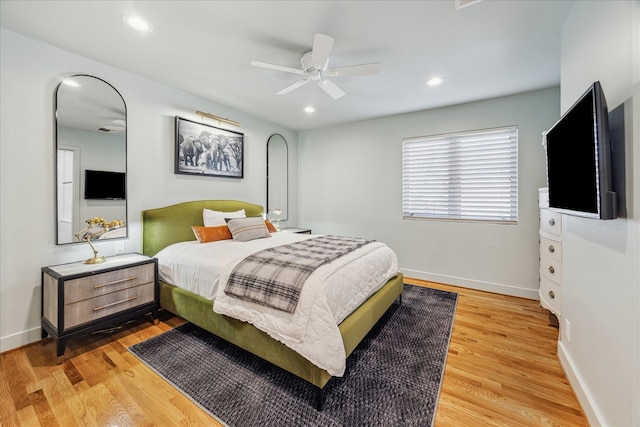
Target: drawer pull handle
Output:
[
  {"x": 551, "y": 269},
  {"x": 552, "y": 222},
  {"x": 102, "y": 285},
  {"x": 552, "y": 249},
  {"x": 102, "y": 307},
  {"x": 552, "y": 295}
]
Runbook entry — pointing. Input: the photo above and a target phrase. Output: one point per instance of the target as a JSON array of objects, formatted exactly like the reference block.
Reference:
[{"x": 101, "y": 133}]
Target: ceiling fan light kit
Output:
[{"x": 314, "y": 68}]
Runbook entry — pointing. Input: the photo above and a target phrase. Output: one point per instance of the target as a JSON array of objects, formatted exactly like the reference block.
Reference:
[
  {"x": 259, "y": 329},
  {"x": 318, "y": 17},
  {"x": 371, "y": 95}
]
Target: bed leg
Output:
[
  {"x": 320, "y": 396},
  {"x": 400, "y": 299}
]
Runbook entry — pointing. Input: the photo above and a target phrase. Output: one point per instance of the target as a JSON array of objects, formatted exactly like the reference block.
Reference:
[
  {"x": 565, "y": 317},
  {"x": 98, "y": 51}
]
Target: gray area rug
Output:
[{"x": 393, "y": 378}]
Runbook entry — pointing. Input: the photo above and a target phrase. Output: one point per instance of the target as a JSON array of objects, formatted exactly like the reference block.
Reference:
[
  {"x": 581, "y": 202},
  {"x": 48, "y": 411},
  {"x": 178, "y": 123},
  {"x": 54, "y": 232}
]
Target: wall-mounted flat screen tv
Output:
[
  {"x": 579, "y": 165},
  {"x": 104, "y": 185}
]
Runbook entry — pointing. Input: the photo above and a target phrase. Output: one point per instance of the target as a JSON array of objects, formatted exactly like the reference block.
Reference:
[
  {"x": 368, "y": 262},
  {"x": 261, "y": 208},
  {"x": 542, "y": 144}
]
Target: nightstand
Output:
[
  {"x": 296, "y": 230},
  {"x": 78, "y": 298}
]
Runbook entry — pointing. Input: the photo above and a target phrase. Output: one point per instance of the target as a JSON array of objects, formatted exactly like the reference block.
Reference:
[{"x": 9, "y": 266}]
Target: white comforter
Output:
[{"x": 331, "y": 293}]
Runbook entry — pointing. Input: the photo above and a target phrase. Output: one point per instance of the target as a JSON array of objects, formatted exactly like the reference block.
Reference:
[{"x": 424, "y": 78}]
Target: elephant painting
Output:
[{"x": 206, "y": 150}]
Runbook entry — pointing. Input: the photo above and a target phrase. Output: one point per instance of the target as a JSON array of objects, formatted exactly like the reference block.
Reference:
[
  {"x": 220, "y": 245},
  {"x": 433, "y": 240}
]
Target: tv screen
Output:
[
  {"x": 579, "y": 159},
  {"x": 104, "y": 185}
]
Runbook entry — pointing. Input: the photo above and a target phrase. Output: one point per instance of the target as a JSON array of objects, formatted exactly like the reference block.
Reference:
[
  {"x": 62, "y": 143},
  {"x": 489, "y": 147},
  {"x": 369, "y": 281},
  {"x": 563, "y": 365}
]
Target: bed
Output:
[{"x": 170, "y": 225}]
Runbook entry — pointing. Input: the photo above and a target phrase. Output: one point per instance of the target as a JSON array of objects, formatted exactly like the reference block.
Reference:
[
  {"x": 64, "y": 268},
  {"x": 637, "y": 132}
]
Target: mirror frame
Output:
[
  {"x": 286, "y": 146},
  {"x": 55, "y": 157}
]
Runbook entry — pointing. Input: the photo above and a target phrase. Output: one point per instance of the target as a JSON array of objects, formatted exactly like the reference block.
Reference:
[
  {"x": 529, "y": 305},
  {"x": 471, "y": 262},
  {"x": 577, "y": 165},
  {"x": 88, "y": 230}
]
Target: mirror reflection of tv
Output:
[
  {"x": 104, "y": 185},
  {"x": 579, "y": 169}
]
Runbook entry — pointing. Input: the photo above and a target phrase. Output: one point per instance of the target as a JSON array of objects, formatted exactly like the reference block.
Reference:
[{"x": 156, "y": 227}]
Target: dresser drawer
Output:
[
  {"x": 550, "y": 296},
  {"x": 551, "y": 248},
  {"x": 551, "y": 222},
  {"x": 551, "y": 269},
  {"x": 106, "y": 283},
  {"x": 87, "y": 310}
]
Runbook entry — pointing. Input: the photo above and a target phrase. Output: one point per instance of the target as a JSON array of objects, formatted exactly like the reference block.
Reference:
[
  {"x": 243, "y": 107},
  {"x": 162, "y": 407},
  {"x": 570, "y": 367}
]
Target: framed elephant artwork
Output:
[{"x": 206, "y": 150}]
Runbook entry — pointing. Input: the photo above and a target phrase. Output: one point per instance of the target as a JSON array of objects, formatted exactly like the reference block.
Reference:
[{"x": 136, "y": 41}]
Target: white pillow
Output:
[
  {"x": 245, "y": 229},
  {"x": 216, "y": 218}
]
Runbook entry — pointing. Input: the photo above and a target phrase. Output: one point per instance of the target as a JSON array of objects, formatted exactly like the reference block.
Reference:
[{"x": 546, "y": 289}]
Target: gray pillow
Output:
[{"x": 245, "y": 229}]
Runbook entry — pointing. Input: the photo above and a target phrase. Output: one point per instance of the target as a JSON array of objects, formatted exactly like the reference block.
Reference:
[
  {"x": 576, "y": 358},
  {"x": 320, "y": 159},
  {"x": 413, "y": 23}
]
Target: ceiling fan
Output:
[{"x": 314, "y": 68}]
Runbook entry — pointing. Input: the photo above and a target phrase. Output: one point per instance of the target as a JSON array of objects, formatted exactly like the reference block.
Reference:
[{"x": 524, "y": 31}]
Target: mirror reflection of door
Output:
[
  {"x": 277, "y": 177},
  {"x": 91, "y": 142},
  {"x": 68, "y": 180}
]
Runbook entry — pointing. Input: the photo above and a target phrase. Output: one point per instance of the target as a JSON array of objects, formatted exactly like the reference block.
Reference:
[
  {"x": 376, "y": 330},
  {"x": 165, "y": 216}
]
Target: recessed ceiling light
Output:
[
  {"x": 309, "y": 109},
  {"x": 137, "y": 23},
  {"x": 435, "y": 81},
  {"x": 71, "y": 82},
  {"x": 464, "y": 3}
]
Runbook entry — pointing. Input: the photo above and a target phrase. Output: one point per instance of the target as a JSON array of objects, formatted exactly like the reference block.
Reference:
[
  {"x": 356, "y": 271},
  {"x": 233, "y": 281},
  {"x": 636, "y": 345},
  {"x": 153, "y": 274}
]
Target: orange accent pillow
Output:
[
  {"x": 212, "y": 234},
  {"x": 270, "y": 226}
]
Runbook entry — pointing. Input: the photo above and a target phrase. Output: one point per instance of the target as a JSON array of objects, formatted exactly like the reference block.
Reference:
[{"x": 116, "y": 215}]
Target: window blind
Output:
[{"x": 471, "y": 176}]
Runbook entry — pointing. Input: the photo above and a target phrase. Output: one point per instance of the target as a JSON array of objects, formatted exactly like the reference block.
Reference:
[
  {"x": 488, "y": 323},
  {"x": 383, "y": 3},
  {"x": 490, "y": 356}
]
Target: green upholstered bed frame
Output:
[{"x": 168, "y": 225}]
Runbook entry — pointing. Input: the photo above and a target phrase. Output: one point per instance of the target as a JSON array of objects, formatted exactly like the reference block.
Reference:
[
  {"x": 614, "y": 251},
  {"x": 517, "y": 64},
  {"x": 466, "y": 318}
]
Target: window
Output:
[{"x": 471, "y": 176}]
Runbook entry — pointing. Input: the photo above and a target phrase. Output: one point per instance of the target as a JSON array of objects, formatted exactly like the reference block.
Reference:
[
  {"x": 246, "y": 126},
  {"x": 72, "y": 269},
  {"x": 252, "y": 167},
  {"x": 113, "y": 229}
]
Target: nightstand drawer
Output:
[
  {"x": 105, "y": 283},
  {"x": 94, "y": 308}
]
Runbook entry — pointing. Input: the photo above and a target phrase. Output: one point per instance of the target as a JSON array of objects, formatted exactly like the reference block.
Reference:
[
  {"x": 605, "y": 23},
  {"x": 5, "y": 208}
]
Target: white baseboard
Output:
[
  {"x": 19, "y": 339},
  {"x": 29, "y": 336},
  {"x": 473, "y": 284},
  {"x": 582, "y": 392}
]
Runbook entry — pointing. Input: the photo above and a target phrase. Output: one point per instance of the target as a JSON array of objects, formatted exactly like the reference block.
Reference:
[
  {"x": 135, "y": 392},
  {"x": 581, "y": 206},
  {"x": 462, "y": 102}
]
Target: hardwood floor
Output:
[{"x": 501, "y": 370}]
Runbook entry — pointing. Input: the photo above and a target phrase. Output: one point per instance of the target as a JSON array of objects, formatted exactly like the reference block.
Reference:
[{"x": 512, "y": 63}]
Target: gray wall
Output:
[
  {"x": 601, "y": 259},
  {"x": 351, "y": 183},
  {"x": 29, "y": 74}
]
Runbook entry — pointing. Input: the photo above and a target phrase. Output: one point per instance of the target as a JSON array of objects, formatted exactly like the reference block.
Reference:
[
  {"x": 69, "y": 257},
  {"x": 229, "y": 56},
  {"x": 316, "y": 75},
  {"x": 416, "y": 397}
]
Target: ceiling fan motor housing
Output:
[{"x": 309, "y": 67}]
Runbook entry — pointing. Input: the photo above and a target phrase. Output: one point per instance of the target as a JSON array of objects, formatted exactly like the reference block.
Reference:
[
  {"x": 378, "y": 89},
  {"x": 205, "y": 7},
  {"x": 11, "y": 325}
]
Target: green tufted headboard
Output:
[{"x": 164, "y": 226}]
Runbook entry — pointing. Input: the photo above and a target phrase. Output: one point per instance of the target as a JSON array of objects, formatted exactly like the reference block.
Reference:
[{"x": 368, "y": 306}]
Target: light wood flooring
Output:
[{"x": 501, "y": 370}]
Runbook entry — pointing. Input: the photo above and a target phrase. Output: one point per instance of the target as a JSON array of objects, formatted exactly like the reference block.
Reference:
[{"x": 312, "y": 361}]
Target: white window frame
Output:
[{"x": 463, "y": 176}]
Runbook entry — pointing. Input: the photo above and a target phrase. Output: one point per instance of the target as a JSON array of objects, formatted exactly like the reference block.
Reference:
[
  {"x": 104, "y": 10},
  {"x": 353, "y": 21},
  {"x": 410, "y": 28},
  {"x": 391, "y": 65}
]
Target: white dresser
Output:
[{"x": 550, "y": 257}]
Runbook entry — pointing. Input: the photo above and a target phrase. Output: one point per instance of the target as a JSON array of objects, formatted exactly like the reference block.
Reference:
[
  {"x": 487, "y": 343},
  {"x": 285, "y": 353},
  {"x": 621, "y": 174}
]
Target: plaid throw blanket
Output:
[{"x": 274, "y": 277}]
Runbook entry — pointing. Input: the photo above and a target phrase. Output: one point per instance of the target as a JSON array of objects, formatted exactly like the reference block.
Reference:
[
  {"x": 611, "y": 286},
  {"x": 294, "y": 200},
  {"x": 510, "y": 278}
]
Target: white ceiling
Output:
[{"x": 487, "y": 49}]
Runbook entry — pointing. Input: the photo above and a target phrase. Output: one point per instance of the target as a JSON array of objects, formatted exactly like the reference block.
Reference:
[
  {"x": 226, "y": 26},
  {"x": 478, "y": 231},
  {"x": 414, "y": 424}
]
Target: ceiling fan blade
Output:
[
  {"x": 322, "y": 45},
  {"x": 354, "y": 70},
  {"x": 277, "y": 67},
  {"x": 330, "y": 88},
  {"x": 293, "y": 86}
]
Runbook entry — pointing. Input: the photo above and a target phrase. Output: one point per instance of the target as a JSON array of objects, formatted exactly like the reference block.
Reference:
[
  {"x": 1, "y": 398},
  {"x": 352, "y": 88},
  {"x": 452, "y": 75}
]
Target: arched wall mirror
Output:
[
  {"x": 277, "y": 177},
  {"x": 91, "y": 156}
]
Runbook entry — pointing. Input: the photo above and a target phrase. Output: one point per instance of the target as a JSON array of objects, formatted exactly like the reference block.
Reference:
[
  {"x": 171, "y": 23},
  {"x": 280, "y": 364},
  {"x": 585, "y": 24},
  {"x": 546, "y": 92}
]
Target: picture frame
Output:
[{"x": 205, "y": 150}]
